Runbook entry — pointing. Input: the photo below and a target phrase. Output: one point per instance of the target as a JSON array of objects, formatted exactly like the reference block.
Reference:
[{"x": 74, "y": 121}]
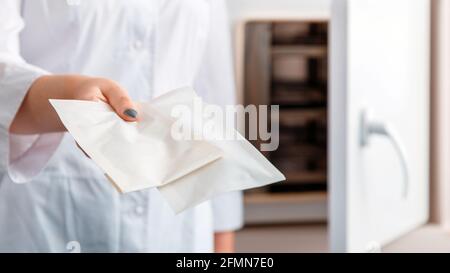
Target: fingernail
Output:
[{"x": 131, "y": 113}]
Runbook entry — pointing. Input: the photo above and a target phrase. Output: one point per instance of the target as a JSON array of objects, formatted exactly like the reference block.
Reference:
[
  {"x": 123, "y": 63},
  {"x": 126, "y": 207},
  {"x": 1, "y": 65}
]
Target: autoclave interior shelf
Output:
[{"x": 285, "y": 64}]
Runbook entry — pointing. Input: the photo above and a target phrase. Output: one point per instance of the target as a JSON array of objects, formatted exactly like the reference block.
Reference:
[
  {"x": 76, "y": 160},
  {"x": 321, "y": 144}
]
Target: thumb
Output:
[{"x": 121, "y": 103}]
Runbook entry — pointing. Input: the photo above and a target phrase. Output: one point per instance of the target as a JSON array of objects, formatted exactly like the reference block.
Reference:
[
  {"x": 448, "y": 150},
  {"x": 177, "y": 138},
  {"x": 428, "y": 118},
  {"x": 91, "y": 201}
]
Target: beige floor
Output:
[
  {"x": 292, "y": 238},
  {"x": 313, "y": 238}
]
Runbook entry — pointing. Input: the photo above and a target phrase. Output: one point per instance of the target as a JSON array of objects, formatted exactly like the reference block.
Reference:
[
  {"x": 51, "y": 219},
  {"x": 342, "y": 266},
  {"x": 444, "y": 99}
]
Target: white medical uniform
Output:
[{"x": 50, "y": 193}]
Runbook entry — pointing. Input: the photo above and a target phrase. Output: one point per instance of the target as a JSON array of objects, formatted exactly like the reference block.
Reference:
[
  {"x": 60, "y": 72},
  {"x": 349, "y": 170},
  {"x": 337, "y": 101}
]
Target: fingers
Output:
[{"x": 121, "y": 103}]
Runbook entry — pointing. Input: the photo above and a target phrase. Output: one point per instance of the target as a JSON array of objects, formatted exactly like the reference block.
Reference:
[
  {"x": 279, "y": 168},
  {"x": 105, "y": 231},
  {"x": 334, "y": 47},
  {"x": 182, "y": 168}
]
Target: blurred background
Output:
[{"x": 363, "y": 89}]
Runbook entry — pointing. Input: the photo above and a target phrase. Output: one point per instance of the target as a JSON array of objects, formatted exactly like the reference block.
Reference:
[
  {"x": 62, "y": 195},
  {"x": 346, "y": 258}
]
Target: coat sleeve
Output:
[
  {"x": 21, "y": 156},
  {"x": 215, "y": 83}
]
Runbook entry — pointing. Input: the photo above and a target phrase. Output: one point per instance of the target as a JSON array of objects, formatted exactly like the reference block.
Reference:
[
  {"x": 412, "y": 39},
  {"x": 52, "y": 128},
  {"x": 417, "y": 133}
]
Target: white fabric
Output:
[{"x": 149, "y": 47}]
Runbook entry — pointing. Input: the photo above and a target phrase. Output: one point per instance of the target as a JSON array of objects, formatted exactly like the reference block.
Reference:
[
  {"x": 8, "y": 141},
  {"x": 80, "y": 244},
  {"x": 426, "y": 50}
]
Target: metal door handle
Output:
[{"x": 371, "y": 128}]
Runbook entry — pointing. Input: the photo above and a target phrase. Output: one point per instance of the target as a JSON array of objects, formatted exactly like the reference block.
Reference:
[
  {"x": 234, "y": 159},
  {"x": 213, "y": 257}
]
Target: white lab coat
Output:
[{"x": 50, "y": 193}]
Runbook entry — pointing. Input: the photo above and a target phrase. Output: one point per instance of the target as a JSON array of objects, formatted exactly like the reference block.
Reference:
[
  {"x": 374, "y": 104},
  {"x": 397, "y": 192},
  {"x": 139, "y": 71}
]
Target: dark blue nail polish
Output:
[{"x": 131, "y": 113}]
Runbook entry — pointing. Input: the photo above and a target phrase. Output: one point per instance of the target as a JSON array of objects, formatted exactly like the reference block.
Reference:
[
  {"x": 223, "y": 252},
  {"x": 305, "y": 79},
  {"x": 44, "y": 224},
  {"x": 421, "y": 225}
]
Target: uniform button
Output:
[
  {"x": 139, "y": 210},
  {"x": 137, "y": 45}
]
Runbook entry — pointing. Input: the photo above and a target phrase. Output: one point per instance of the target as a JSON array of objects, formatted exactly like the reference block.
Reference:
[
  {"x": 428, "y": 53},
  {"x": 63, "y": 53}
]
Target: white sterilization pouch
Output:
[
  {"x": 145, "y": 154},
  {"x": 134, "y": 155},
  {"x": 241, "y": 167}
]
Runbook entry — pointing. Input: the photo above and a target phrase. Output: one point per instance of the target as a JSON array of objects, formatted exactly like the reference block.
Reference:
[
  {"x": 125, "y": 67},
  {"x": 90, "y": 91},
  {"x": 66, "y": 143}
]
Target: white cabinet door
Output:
[{"x": 379, "y": 121}]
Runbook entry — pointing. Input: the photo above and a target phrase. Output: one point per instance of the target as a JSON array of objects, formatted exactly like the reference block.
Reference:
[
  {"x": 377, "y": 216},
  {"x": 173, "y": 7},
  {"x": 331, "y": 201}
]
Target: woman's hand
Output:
[{"x": 36, "y": 115}]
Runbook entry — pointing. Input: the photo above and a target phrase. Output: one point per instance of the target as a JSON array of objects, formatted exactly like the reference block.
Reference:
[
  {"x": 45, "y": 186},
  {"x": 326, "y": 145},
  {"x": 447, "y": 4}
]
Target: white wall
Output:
[
  {"x": 440, "y": 145},
  {"x": 251, "y": 8}
]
